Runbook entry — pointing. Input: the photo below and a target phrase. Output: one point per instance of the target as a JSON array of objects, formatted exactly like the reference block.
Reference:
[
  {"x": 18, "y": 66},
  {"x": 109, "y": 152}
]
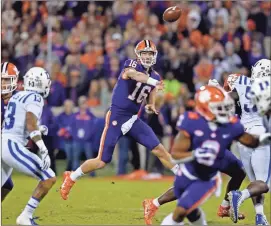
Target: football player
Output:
[
  {"x": 259, "y": 174},
  {"x": 201, "y": 146},
  {"x": 23, "y": 112},
  {"x": 231, "y": 166},
  {"x": 137, "y": 81},
  {"x": 9, "y": 78},
  {"x": 261, "y": 97}
]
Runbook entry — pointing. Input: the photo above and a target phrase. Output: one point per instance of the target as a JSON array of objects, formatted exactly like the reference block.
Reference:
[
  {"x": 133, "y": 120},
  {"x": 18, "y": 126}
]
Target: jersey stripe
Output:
[
  {"x": 27, "y": 97},
  {"x": 245, "y": 80},
  {"x": 240, "y": 80}
]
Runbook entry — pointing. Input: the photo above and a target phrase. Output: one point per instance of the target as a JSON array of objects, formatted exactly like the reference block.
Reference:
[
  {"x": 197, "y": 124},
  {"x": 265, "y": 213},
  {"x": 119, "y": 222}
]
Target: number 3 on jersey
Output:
[
  {"x": 10, "y": 119},
  {"x": 247, "y": 107},
  {"x": 140, "y": 96}
]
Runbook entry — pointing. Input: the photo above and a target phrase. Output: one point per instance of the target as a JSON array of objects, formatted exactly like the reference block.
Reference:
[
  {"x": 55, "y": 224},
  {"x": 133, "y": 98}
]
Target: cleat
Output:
[
  {"x": 260, "y": 219},
  {"x": 235, "y": 202},
  {"x": 66, "y": 185},
  {"x": 25, "y": 220},
  {"x": 225, "y": 212},
  {"x": 149, "y": 211}
]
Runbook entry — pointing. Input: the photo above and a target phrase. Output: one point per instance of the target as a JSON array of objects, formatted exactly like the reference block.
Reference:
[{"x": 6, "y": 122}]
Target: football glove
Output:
[
  {"x": 46, "y": 161},
  {"x": 43, "y": 129},
  {"x": 205, "y": 156}
]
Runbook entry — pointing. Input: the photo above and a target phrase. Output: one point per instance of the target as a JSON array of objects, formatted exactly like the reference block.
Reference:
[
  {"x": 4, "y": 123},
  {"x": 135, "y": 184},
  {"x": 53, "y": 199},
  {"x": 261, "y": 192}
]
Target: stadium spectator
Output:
[
  {"x": 82, "y": 128},
  {"x": 57, "y": 92},
  {"x": 64, "y": 121}
]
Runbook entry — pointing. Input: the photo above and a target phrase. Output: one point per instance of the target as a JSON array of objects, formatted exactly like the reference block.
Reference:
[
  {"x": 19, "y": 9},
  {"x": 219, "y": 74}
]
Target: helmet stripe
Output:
[
  {"x": 148, "y": 43},
  {"x": 145, "y": 42},
  {"x": 4, "y": 67}
]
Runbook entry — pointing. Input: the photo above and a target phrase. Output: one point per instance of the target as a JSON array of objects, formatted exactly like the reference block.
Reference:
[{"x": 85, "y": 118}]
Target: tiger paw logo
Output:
[
  {"x": 114, "y": 123},
  {"x": 205, "y": 96}
]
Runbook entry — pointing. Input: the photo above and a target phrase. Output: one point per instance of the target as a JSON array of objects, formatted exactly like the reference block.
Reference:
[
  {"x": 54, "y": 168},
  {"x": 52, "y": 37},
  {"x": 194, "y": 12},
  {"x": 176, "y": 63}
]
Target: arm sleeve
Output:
[
  {"x": 35, "y": 105},
  {"x": 185, "y": 123},
  {"x": 238, "y": 130},
  {"x": 35, "y": 109}
]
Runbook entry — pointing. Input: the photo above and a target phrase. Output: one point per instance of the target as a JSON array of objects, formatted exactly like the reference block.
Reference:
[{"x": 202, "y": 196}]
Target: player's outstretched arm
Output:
[
  {"x": 131, "y": 73},
  {"x": 35, "y": 135},
  {"x": 253, "y": 141},
  {"x": 181, "y": 145}
]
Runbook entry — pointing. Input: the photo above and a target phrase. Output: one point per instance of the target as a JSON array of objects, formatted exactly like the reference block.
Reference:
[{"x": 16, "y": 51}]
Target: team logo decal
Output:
[{"x": 199, "y": 133}]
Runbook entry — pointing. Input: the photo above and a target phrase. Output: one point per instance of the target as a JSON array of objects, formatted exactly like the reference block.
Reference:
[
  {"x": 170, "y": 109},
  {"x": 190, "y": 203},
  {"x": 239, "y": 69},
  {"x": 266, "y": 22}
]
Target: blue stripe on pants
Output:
[
  {"x": 22, "y": 162},
  {"x": 31, "y": 160}
]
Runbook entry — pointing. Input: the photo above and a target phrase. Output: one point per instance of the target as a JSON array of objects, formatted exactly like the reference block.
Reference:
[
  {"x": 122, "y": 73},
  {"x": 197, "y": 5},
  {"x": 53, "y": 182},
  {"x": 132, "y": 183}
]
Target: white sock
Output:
[
  {"x": 31, "y": 207},
  {"x": 225, "y": 203},
  {"x": 259, "y": 208},
  {"x": 76, "y": 174},
  {"x": 155, "y": 202},
  {"x": 201, "y": 220},
  {"x": 245, "y": 195},
  {"x": 168, "y": 220},
  {"x": 175, "y": 169}
]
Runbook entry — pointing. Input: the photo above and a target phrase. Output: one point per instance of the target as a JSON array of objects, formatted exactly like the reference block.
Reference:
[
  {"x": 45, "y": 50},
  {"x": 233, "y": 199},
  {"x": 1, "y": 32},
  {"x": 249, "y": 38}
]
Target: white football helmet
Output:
[
  {"x": 37, "y": 80},
  {"x": 261, "y": 95},
  {"x": 262, "y": 68}
]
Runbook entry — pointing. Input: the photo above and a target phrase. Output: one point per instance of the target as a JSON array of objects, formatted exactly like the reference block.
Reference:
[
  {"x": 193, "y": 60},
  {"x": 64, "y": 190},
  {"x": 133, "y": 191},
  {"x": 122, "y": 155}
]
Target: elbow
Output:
[
  {"x": 175, "y": 155},
  {"x": 30, "y": 128}
]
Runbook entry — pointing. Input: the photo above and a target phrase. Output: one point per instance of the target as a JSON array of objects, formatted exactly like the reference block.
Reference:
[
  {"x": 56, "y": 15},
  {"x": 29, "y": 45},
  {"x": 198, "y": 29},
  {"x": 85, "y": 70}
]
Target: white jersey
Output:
[
  {"x": 14, "y": 126},
  {"x": 249, "y": 116}
]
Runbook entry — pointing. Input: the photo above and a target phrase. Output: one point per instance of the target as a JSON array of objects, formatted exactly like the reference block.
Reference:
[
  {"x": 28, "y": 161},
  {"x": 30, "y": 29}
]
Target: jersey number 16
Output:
[{"x": 140, "y": 96}]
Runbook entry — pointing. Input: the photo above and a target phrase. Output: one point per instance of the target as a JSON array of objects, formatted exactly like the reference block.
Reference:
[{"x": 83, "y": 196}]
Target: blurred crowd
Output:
[{"x": 91, "y": 40}]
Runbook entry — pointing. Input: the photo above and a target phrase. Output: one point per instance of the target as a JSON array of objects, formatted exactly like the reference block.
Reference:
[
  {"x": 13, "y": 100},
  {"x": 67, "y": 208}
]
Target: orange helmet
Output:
[
  {"x": 146, "y": 46},
  {"x": 229, "y": 82},
  {"x": 9, "y": 77},
  {"x": 214, "y": 104}
]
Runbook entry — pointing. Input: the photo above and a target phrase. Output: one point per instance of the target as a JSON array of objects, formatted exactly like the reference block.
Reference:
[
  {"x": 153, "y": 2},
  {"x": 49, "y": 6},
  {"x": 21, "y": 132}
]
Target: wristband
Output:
[
  {"x": 35, "y": 133},
  {"x": 152, "y": 81},
  {"x": 41, "y": 145}
]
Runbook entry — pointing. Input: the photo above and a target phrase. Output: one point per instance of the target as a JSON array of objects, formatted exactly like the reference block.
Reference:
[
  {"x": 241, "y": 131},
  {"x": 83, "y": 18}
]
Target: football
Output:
[{"x": 172, "y": 14}]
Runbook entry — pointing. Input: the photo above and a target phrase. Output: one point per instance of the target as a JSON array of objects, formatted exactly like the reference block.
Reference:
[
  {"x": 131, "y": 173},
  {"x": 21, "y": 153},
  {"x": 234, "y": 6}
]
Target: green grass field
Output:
[{"x": 105, "y": 201}]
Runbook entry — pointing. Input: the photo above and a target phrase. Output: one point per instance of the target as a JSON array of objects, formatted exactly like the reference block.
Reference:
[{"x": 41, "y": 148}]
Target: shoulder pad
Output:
[
  {"x": 193, "y": 115},
  {"x": 234, "y": 119}
]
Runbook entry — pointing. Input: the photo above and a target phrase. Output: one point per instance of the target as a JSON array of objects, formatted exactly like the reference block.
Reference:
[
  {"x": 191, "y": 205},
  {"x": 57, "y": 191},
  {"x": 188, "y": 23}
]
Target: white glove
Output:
[
  {"x": 213, "y": 82},
  {"x": 46, "y": 161},
  {"x": 43, "y": 129},
  {"x": 265, "y": 138},
  {"x": 205, "y": 156}
]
